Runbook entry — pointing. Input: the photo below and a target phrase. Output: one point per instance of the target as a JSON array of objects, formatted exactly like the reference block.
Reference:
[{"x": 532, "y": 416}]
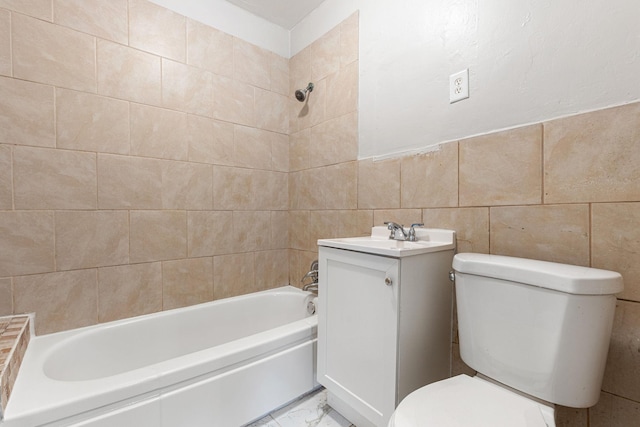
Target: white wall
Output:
[
  {"x": 233, "y": 20},
  {"x": 528, "y": 60}
]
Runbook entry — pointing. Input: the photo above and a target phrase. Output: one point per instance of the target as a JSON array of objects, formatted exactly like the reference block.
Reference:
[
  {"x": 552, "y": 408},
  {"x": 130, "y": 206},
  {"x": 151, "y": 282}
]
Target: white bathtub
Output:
[{"x": 219, "y": 364}]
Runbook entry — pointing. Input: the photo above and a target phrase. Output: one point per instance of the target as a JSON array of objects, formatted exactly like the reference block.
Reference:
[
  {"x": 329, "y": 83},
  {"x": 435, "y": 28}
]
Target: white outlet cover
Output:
[{"x": 459, "y": 86}]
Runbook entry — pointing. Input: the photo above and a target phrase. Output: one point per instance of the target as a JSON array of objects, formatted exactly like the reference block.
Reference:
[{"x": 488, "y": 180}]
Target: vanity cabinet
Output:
[{"x": 384, "y": 328}]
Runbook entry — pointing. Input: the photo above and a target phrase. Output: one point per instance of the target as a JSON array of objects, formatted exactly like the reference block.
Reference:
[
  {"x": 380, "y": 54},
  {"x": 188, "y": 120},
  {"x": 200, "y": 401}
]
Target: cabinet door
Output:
[{"x": 357, "y": 330}]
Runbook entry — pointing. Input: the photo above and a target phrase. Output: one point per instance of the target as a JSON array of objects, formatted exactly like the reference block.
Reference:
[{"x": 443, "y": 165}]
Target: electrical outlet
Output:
[{"x": 459, "y": 86}]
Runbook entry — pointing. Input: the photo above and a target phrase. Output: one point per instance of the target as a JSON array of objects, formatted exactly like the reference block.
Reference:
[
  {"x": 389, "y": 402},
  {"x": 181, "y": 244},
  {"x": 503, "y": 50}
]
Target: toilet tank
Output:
[{"x": 542, "y": 328}]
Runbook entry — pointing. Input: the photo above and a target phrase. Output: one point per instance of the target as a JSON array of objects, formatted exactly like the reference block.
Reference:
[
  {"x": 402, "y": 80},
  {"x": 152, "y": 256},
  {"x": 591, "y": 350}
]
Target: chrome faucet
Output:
[
  {"x": 403, "y": 235},
  {"x": 313, "y": 274}
]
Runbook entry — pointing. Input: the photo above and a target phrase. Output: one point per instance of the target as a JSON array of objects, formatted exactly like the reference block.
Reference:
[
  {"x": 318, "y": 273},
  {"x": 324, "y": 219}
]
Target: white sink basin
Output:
[{"x": 428, "y": 240}]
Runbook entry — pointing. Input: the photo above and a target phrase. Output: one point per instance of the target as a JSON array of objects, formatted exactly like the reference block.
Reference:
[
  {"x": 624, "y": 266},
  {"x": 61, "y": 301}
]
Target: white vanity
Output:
[{"x": 384, "y": 319}]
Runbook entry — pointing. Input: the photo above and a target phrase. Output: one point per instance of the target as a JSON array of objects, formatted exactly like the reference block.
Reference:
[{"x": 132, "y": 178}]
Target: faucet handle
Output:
[
  {"x": 393, "y": 227},
  {"x": 412, "y": 231}
]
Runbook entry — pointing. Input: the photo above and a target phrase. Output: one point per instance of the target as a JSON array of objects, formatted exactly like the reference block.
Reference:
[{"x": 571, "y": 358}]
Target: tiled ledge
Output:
[{"x": 14, "y": 337}]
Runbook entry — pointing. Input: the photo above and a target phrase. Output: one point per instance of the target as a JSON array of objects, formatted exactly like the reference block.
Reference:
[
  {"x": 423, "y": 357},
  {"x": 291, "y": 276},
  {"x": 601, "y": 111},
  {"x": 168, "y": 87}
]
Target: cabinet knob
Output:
[{"x": 388, "y": 281}]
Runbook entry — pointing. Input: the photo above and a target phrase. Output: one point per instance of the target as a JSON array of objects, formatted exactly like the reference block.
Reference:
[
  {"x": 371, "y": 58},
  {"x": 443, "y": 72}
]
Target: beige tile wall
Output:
[
  {"x": 144, "y": 160},
  {"x": 564, "y": 190},
  {"x": 181, "y": 169}
]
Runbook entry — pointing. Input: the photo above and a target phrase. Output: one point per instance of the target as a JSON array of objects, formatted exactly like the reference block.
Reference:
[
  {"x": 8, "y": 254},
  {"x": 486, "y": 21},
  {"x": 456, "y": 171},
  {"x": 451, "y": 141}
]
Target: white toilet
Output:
[{"x": 536, "y": 332}]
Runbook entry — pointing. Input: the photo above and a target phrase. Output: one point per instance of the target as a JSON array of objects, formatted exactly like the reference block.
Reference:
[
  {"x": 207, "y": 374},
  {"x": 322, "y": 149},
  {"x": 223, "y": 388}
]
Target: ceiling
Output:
[{"x": 285, "y": 13}]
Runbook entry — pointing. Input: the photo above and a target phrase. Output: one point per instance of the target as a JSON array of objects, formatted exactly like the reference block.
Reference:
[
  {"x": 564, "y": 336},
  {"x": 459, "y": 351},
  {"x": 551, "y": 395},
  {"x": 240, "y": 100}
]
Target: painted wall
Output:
[{"x": 528, "y": 61}]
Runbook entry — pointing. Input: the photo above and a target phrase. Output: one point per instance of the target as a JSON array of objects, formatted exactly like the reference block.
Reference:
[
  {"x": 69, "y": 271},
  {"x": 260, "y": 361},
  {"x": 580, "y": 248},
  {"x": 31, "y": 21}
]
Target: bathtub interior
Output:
[{"x": 251, "y": 375}]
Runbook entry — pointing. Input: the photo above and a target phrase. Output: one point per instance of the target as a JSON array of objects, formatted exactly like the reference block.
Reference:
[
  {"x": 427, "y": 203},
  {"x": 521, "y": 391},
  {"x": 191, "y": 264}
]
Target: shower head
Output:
[{"x": 301, "y": 94}]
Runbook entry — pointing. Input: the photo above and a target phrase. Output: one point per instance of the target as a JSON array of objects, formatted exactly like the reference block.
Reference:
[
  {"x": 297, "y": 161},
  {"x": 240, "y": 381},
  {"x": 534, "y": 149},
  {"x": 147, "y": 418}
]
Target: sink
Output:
[{"x": 427, "y": 240}]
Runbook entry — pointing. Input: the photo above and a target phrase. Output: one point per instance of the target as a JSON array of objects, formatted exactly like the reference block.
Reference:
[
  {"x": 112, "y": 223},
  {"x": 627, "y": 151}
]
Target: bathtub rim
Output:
[{"x": 38, "y": 399}]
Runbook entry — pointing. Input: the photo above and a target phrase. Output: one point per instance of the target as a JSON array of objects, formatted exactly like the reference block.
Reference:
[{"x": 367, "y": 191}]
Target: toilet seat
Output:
[{"x": 469, "y": 401}]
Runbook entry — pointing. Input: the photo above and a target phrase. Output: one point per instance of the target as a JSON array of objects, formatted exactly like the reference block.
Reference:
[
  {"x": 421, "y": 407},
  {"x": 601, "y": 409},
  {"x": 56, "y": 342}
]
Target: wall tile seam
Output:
[{"x": 617, "y": 396}]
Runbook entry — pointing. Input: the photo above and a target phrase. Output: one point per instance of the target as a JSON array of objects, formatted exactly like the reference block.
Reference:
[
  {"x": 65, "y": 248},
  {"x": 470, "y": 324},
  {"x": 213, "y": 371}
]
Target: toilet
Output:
[{"x": 536, "y": 332}]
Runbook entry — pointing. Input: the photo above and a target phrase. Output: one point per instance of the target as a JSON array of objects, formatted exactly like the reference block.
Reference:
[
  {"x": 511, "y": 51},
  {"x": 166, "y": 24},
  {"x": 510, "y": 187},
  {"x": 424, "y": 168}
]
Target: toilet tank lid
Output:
[{"x": 571, "y": 279}]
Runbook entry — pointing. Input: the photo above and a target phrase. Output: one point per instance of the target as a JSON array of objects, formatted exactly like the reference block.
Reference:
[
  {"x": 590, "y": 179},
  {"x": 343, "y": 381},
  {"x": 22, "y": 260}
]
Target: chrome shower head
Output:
[{"x": 301, "y": 94}]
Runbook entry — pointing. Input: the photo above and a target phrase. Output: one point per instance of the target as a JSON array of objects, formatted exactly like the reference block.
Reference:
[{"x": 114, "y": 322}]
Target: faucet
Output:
[
  {"x": 313, "y": 274},
  {"x": 395, "y": 228}
]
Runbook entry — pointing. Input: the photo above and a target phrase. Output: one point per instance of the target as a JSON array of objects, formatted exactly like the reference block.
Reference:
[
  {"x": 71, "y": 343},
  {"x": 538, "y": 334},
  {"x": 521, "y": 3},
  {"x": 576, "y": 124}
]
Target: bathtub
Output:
[{"x": 218, "y": 364}]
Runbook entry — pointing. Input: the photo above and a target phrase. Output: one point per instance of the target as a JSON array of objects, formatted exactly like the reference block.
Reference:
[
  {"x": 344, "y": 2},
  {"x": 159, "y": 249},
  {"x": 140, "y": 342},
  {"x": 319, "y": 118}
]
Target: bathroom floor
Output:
[{"x": 310, "y": 411}]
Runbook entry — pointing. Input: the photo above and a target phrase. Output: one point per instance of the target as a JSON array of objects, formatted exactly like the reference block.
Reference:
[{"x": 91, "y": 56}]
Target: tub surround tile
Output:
[
  {"x": 312, "y": 111},
  {"x": 300, "y": 70},
  {"x": 48, "y": 295},
  {"x": 273, "y": 108},
  {"x": 503, "y": 168},
  {"x": 158, "y": 235},
  {"x": 187, "y": 186},
  {"x": 558, "y": 233},
  {"x": 26, "y": 242},
  {"x": 252, "y": 148},
  {"x": 29, "y": 107},
  {"x": 233, "y": 101},
  {"x": 54, "y": 179},
  {"x": 349, "y": 39},
  {"x": 186, "y": 282},
  {"x": 252, "y": 230},
  {"x": 334, "y": 141},
  {"x": 158, "y": 30},
  {"x": 324, "y": 60},
  {"x": 210, "y": 141},
  {"x": 299, "y": 230},
  {"x": 41, "y": 9},
  {"x": 614, "y": 411},
  {"x": 580, "y": 153},
  {"x": 622, "y": 373},
  {"x": 299, "y": 263},
  {"x": 279, "y": 68},
  {"x": 128, "y": 74},
  {"x": 379, "y": 184},
  {"x": 209, "y": 49},
  {"x": 271, "y": 272},
  {"x": 91, "y": 239},
  {"x": 158, "y": 132},
  {"x": 187, "y": 88},
  {"x": 420, "y": 172},
  {"x": 249, "y": 189},
  {"x": 129, "y": 290},
  {"x": 51, "y": 54},
  {"x": 210, "y": 233},
  {"x": 251, "y": 64},
  {"x": 104, "y": 19},
  {"x": 279, "y": 229},
  {"x": 89, "y": 122},
  {"x": 299, "y": 149},
  {"x": 233, "y": 275},
  {"x": 342, "y": 91},
  {"x": 280, "y": 152},
  {"x": 471, "y": 226},
  {"x": 129, "y": 182},
  {"x": 6, "y": 178},
  {"x": 5, "y": 43},
  {"x": 615, "y": 243}
]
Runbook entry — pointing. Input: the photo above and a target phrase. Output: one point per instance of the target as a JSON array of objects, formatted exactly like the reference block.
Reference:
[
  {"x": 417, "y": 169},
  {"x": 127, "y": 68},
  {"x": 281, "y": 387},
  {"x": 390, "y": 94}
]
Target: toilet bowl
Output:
[
  {"x": 470, "y": 401},
  {"x": 536, "y": 332}
]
